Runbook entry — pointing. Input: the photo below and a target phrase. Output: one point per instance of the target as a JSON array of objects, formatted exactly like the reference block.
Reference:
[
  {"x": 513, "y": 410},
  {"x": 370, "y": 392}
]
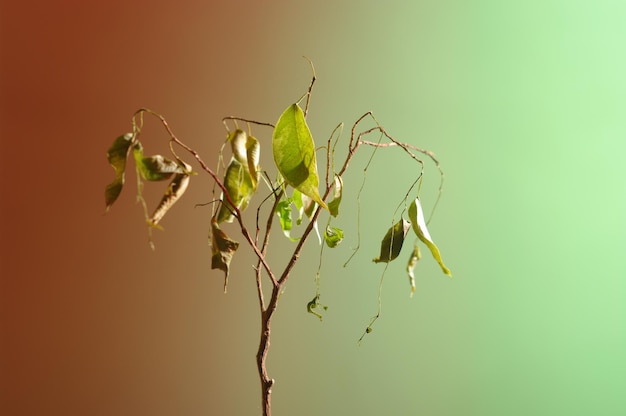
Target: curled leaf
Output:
[
  {"x": 416, "y": 215},
  {"x": 116, "y": 155},
  {"x": 237, "y": 141},
  {"x": 333, "y": 236},
  {"x": 283, "y": 210},
  {"x": 175, "y": 190},
  {"x": 223, "y": 249},
  {"x": 333, "y": 206},
  {"x": 154, "y": 168},
  {"x": 294, "y": 153},
  {"x": 253, "y": 154},
  {"x": 314, "y": 304},
  {"x": 410, "y": 267},
  {"x": 392, "y": 242}
]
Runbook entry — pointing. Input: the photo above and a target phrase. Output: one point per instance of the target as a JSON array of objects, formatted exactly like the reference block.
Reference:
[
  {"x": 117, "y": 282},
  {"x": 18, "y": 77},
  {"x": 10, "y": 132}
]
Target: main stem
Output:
[{"x": 264, "y": 346}]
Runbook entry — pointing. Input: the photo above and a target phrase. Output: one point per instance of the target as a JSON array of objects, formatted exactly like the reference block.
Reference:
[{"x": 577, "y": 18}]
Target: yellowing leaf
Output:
[
  {"x": 294, "y": 153},
  {"x": 253, "y": 154},
  {"x": 223, "y": 250},
  {"x": 237, "y": 141},
  {"x": 116, "y": 155},
  {"x": 416, "y": 215},
  {"x": 392, "y": 242}
]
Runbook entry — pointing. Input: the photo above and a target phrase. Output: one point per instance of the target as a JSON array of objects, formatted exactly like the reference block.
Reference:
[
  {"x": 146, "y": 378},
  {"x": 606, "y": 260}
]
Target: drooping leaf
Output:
[
  {"x": 154, "y": 168},
  {"x": 392, "y": 242},
  {"x": 223, "y": 250},
  {"x": 253, "y": 153},
  {"x": 175, "y": 190},
  {"x": 333, "y": 206},
  {"x": 333, "y": 236},
  {"x": 416, "y": 215},
  {"x": 294, "y": 153},
  {"x": 410, "y": 267},
  {"x": 238, "y": 183},
  {"x": 283, "y": 210},
  {"x": 238, "y": 139},
  {"x": 116, "y": 155}
]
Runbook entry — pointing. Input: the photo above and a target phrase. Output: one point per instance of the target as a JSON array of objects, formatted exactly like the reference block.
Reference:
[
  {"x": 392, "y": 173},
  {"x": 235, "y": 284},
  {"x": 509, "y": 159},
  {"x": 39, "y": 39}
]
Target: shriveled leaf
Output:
[
  {"x": 392, "y": 242},
  {"x": 410, "y": 267},
  {"x": 116, "y": 155},
  {"x": 333, "y": 236},
  {"x": 238, "y": 183},
  {"x": 175, "y": 190},
  {"x": 223, "y": 250},
  {"x": 294, "y": 153},
  {"x": 416, "y": 215},
  {"x": 155, "y": 168},
  {"x": 333, "y": 206}
]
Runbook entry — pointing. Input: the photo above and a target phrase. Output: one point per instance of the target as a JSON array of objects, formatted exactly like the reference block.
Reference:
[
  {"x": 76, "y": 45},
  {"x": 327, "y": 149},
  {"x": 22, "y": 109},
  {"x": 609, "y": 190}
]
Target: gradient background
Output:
[{"x": 523, "y": 102}]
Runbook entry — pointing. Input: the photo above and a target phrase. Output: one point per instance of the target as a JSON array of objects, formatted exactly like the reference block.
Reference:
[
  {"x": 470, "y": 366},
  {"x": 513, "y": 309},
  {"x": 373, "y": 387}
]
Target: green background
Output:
[{"x": 524, "y": 103}]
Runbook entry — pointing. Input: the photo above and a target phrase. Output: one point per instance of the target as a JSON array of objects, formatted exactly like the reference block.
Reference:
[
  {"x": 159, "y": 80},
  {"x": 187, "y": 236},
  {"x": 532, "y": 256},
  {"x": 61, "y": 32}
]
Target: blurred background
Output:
[{"x": 524, "y": 104}]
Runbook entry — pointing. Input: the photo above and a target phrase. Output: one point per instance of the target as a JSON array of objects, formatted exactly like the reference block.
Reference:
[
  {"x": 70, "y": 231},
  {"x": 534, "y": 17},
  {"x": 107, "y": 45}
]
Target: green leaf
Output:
[
  {"x": 333, "y": 206},
  {"x": 116, "y": 155},
  {"x": 392, "y": 242},
  {"x": 298, "y": 202},
  {"x": 333, "y": 236},
  {"x": 416, "y": 215},
  {"x": 238, "y": 183},
  {"x": 410, "y": 267},
  {"x": 175, "y": 190},
  {"x": 154, "y": 168},
  {"x": 294, "y": 153},
  {"x": 283, "y": 210},
  {"x": 314, "y": 304},
  {"x": 223, "y": 250}
]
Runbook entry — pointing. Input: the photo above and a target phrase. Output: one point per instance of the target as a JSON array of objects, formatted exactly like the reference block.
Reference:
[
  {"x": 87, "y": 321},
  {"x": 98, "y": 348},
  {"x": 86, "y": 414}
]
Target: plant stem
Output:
[{"x": 264, "y": 346}]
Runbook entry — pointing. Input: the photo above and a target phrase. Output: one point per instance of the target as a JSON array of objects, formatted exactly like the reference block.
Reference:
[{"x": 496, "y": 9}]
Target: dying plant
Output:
[{"x": 295, "y": 188}]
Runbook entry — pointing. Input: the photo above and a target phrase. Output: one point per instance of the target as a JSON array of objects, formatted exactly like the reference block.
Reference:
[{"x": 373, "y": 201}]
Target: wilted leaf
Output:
[
  {"x": 253, "y": 153},
  {"x": 416, "y": 215},
  {"x": 314, "y": 304},
  {"x": 392, "y": 242},
  {"x": 154, "y": 168},
  {"x": 238, "y": 183},
  {"x": 410, "y": 267},
  {"x": 333, "y": 236},
  {"x": 283, "y": 210},
  {"x": 333, "y": 206},
  {"x": 237, "y": 141},
  {"x": 175, "y": 190},
  {"x": 294, "y": 153},
  {"x": 116, "y": 156},
  {"x": 223, "y": 249}
]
